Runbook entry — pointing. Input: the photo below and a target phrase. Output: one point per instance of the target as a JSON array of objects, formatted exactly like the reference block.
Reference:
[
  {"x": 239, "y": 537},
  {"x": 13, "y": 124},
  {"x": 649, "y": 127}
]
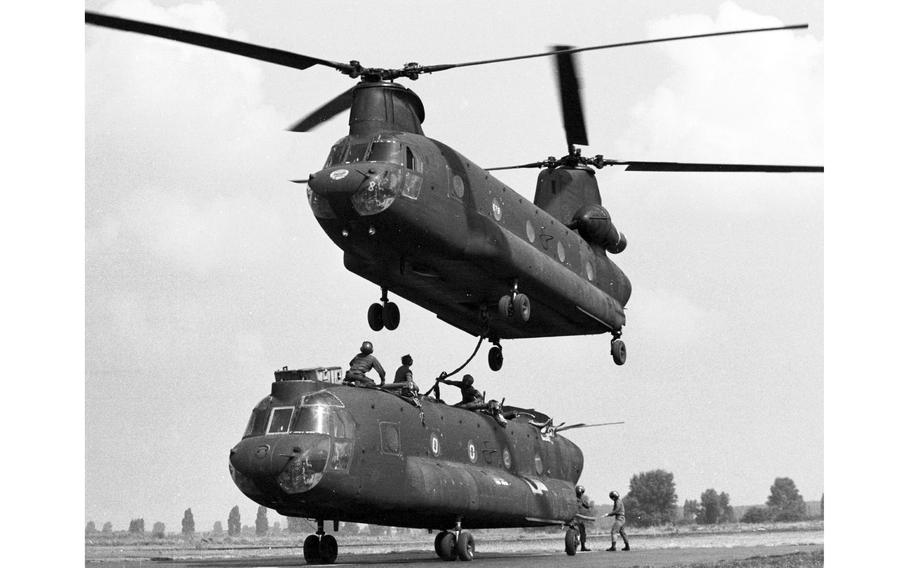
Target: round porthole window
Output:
[
  {"x": 434, "y": 445},
  {"x": 529, "y": 229},
  {"x": 472, "y": 451},
  {"x": 497, "y": 208},
  {"x": 589, "y": 270},
  {"x": 561, "y": 251},
  {"x": 457, "y": 186},
  {"x": 538, "y": 464},
  {"x": 507, "y": 459}
]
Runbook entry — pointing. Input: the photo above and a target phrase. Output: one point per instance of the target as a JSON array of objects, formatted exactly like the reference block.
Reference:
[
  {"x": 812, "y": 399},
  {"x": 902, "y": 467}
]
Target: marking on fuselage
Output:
[
  {"x": 339, "y": 174},
  {"x": 537, "y": 487}
]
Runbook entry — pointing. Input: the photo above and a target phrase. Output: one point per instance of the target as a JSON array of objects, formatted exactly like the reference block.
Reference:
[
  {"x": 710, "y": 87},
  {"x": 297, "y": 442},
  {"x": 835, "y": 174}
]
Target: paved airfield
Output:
[{"x": 598, "y": 558}]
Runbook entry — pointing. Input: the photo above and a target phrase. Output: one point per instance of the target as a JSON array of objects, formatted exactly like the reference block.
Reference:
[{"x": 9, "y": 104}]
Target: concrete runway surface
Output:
[{"x": 656, "y": 558}]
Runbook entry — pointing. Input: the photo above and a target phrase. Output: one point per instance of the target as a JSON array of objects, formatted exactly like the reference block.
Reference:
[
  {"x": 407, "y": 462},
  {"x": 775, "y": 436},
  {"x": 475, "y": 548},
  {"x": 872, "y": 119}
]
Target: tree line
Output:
[{"x": 651, "y": 500}]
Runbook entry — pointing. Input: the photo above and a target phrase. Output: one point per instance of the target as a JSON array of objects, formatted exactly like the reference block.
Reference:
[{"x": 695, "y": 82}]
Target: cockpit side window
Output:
[
  {"x": 258, "y": 419},
  {"x": 356, "y": 152},
  {"x": 412, "y": 162}
]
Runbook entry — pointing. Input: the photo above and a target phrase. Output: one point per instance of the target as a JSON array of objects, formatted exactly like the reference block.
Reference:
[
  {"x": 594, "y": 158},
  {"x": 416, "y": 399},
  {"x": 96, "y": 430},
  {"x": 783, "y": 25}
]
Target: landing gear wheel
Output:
[
  {"x": 328, "y": 549},
  {"x": 494, "y": 358},
  {"x": 445, "y": 546},
  {"x": 311, "y": 550},
  {"x": 505, "y": 306},
  {"x": 437, "y": 544},
  {"x": 390, "y": 316},
  {"x": 464, "y": 547},
  {"x": 521, "y": 307},
  {"x": 571, "y": 541},
  {"x": 374, "y": 317},
  {"x": 618, "y": 350}
]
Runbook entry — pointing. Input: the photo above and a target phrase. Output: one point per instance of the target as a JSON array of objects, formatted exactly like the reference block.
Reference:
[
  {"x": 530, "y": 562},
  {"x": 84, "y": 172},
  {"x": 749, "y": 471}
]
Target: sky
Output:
[{"x": 205, "y": 270}]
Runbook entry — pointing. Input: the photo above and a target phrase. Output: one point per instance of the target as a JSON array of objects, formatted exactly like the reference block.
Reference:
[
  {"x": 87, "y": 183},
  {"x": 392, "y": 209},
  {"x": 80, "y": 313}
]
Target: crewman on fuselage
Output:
[{"x": 361, "y": 364}]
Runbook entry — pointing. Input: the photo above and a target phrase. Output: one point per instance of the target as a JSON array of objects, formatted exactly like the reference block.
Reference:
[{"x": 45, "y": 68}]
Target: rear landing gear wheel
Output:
[
  {"x": 390, "y": 316},
  {"x": 328, "y": 549},
  {"x": 618, "y": 350},
  {"x": 571, "y": 541},
  {"x": 494, "y": 358},
  {"x": 445, "y": 546},
  {"x": 374, "y": 317},
  {"x": 311, "y": 550},
  {"x": 464, "y": 547}
]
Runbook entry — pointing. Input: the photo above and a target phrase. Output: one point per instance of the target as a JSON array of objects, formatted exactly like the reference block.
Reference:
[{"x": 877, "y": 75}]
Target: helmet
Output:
[
  {"x": 407, "y": 360},
  {"x": 366, "y": 348},
  {"x": 614, "y": 495},
  {"x": 469, "y": 380},
  {"x": 579, "y": 489}
]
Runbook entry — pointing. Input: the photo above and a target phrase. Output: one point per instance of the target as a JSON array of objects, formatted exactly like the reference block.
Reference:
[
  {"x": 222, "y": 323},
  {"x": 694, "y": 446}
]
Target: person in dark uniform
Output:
[
  {"x": 619, "y": 522},
  {"x": 582, "y": 514},
  {"x": 401, "y": 375},
  {"x": 471, "y": 399},
  {"x": 361, "y": 364}
]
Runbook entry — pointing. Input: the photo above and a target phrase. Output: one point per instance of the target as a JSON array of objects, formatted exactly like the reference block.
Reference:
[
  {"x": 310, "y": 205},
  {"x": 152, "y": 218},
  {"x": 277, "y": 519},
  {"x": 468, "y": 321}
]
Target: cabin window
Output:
[
  {"x": 411, "y": 187},
  {"x": 280, "y": 420},
  {"x": 341, "y": 455},
  {"x": 589, "y": 270},
  {"x": 458, "y": 187},
  {"x": 497, "y": 208},
  {"x": 507, "y": 458},
  {"x": 538, "y": 464},
  {"x": 389, "y": 438},
  {"x": 386, "y": 151},
  {"x": 560, "y": 251},
  {"x": 529, "y": 230}
]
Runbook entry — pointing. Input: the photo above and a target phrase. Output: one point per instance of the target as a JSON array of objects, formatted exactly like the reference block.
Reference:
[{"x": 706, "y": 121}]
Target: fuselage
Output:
[
  {"x": 333, "y": 452},
  {"x": 418, "y": 218}
]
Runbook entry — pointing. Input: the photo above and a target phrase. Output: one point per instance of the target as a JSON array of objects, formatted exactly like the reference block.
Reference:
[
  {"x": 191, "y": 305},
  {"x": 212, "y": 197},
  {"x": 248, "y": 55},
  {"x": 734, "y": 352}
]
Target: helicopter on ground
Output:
[
  {"x": 422, "y": 221},
  {"x": 318, "y": 449}
]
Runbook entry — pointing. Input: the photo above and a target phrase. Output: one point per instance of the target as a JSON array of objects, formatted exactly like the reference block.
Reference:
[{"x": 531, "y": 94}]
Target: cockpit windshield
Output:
[
  {"x": 315, "y": 419},
  {"x": 378, "y": 150},
  {"x": 385, "y": 151}
]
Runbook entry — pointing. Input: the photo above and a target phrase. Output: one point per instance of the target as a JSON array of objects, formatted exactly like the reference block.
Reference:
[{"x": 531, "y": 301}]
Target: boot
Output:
[
  {"x": 612, "y": 548},
  {"x": 626, "y": 547}
]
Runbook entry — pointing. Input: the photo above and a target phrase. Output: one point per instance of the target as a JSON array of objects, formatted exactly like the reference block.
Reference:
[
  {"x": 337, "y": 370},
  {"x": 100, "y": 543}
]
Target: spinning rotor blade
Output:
[
  {"x": 330, "y": 109},
  {"x": 277, "y": 56},
  {"x": 634, "y": 166},
  {"x": 573, "y": 118}
]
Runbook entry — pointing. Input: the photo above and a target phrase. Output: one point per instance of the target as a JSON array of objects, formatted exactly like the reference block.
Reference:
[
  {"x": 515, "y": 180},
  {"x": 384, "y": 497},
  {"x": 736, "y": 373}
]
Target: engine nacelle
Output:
[{"x": 595, "y": 226}]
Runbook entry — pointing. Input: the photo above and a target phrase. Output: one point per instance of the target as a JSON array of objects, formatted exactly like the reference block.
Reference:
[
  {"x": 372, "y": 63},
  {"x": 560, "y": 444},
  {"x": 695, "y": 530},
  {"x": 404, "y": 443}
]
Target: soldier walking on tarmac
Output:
[
  {"x": 361, "y": 365},
  {"x": 619, "y": 522}
]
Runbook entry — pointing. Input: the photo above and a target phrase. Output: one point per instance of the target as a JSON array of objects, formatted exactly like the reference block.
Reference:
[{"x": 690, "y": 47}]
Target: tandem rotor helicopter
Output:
[{"x": 422, "y": 221}]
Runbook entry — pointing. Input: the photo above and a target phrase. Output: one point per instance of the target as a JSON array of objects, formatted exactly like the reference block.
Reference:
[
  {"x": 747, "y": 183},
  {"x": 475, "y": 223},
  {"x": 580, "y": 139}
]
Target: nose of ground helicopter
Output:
[{"x": 293, "y": 462}]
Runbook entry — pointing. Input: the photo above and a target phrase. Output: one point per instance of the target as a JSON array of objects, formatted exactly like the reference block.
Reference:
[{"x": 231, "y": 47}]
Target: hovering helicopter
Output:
[
  {"x": 421, "y": 220},
  {"x": 318, "y": 449}
]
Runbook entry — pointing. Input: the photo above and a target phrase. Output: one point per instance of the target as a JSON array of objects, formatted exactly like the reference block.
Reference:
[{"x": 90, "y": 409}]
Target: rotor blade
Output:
[
  {"x": 637, "y": 166},
  {"x": 277, "y": 56},
  {"x": 334, "y": 107},
  {"x": 573, "y": 118},
  {"x": 433, "y": 68},
  {"x": 587, "y": 425},
  {"x": 531, "y": 165}
]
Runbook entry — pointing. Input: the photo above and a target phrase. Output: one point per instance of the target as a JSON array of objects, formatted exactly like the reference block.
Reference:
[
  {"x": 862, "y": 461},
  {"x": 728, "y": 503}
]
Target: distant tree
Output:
[
  {"x": 690, "y": 510},
  {"x": 189, "y": 525},
  {"x": 297, "y": 525},
  {"x": 234, "y": 521},
  {"x": 727, "y": 514},
  {"x": 90, "y": 527},
  {"x": 651, "y": 499},
  {"x": 262, "y": 521},
  {"x": 217, "y": 528},
  {"x": 107, "y": 528},
  {"x": 137, "y": 526},
  {"x": 276, "y": 528},
  {"x": 158, "y": 530},
  {"x": 785, "y": 502},
  {"x": 714, "y": 508},
  {"x": 823, "y": 505},
  {"x": 756, "y": 515}
]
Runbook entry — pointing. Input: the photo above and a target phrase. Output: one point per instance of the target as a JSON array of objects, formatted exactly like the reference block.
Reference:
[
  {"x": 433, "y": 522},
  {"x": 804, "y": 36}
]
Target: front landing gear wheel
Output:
[
  {"x": 390, "y": 316},
  {"x": 464, "y": 547},
  {"x": 618, "y": 350},
  {"x": 505, "y": 306},
  {"x": 374, "y": 317},
  {"x": 445, "y": 546},
  {"x": 328, "y": 549},
  {"x": 311, "y": 550},
  {"x": 571, "y": 541},
  {"x": 521, "y": 307},
  {"x": 494, "y": 358}
]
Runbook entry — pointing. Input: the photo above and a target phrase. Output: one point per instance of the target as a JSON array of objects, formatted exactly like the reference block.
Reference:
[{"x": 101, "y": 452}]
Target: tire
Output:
[
  {"x": 521, "y": 307},
  {"x": 494, "y": 358},
  {"x": 311, "y": 549},
  {"x": 437, "y": 544},
  {"x": 447, "y": 546},
  {"x": 505, "y": 306},
  {"x": 374, "y": 317},
  {"x": 618, "y": 350},
  {"x": 571, "y": 541},
  {"x": 328, "y": 549},
  {"x": 464, "y": 547},
  {"x": 391, "y": 317}
]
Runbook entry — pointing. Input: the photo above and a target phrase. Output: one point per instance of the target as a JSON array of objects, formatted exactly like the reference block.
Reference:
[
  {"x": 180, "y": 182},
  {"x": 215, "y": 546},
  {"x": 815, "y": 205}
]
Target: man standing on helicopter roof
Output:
[{"x": 361, "y": 365}]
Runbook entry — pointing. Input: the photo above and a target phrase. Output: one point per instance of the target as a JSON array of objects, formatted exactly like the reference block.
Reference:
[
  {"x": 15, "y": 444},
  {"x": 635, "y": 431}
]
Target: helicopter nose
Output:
[
  {"x": 340, "y": 182},
  {"x": 294, "y": 462}
]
